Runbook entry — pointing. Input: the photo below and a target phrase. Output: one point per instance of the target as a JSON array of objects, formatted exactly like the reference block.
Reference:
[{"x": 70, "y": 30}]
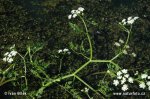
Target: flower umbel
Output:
[
  {"x": 8, "y": 56},
  {"x": 129, "y": 21},
  {"x": 75, "y": 13}
]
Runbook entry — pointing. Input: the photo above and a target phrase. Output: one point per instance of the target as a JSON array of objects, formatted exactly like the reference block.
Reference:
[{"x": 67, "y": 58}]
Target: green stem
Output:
[
  {"x": 89, "y": 40},
  {"x": 100, "y": 61},
  {"x": 53, "y": 81},
  {"x": 80, "y": 54},
  {"x": 116, "y": 65},
  {"x": 5, "y": 71},
  {"x": 124, "y": 47},
  {"x": 25, "y": 68},
  {"x": 86, "y": 84},
  {"x": 9, "y": 80},
  {"x": 79, "y": 69},
  {"x": 60, "y": 65}
]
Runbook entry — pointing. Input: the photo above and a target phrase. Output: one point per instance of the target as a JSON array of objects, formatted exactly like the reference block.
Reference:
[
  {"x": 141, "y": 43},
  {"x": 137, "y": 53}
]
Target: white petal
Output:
[
  {"x": 148, "y": 83},
  {"x": 4, "y": 59},
  {"x": 65, "y": 50},
  {"x": 135, "y": 18},
  {"x": 6, "y": 53},
  {"x": 119, "y": 73},
  {"x": 115, "y": 82},
  {"x": 130, "y": 22},
  {"x": 121, "y": 41},
  {"x": 130, "y": 80},
  {"x": 129, "y": 18},
  {"x": 74, "y": 15},
  {"x": 59, "y": 51},
  {"x": 143, "y": 76},
  {"x": 117, "y": 44},
  {"x": 125, "y": 52},
  {"x": 69, "y": 16},
  {"x": 81, "y": 9},
  {"x": 13, "y": 53},
  {"x": 124, "y": 87},
  {"x": 73, "y": 11},
  {"x": 142, "y": 85},
  {"x": 10, "y": 60},
  {"x": 124, "y": 20},
  {"x": 124, "y": 71},
  {"x": 126, "y": 75}
]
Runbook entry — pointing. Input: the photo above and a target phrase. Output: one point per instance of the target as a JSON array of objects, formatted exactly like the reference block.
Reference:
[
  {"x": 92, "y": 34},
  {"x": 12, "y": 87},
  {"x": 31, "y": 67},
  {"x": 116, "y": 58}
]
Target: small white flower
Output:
[
  {"x": 77, "y": 12},
  {"x": 142, "y": 85},
  {"x": 59, "y": 51},
  {"x": 144, "y": 76},
  {"x": 86, "y": 89},
  {"x": 130, "y": 80},
  {"x": 124, "y": 20},
  {"x": 117, "y": 44},
  {"x": 119, "y": 73},
  {"x": 124, "y": 71},
  {"x": 4, "y": 59},
  {"x": 124, "y": 87},
  {"x": 127, "y": 46},
  {"x": 73, "y": 11},
  {"x": 130, "y": 21},
  {"x": 123, "y": 80},
  {"x": 74, "y": 15},
  {"x": 121, "y": 41},
  {"x": 115, "y": 82},
  {"x": 10, "y": 60},
  {"x": 69, "y": 16},
  {"x": 6, "y": 54},
  {"x": 148, "y": 77},
  {"x": 65, "y": 50},
  {"x": 125, "y": 52},
  {"x": 9, "y": 55},
  {"x": 12, "y": 47},
  {"x": 119, "y": 77},
  {"x": 69, "y": 52},
  {"x": 135, "y": 18},
  {"x": 126, "y": 75},
  {"x": 124, "y": 23},
  {"x": 108, "y": 71},
  {"x": 129, "y": 18},
  {"x": 81, "y": 9},
  {"x": 148, "y": 83},
  {"x": 13, "y": 53},
  {"x": 133, "y": 54},
  {"x": 136, "y": 73}
]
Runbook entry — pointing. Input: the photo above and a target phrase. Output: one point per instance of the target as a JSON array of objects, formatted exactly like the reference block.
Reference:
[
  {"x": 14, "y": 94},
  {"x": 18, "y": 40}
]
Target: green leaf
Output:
[{"x": 75, "y": 28}]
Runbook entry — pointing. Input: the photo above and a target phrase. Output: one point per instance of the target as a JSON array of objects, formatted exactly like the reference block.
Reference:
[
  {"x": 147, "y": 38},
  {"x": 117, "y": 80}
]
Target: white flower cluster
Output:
[
  {"x": 130, "y": 20},
  {"x": 86, "y": 90},
  {"x": 122, "y": 78},
  {"x": 118, "y": 44},
  {"x": 65, "y": 50},
  {"x": 146, "y": 81},
  {"x": 8, "y": 56},
  {"x": 74, "y": 13}
]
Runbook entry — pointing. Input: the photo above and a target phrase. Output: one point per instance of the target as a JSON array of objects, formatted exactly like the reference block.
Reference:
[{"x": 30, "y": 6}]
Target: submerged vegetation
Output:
[{"x": 79, "y": 49}]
